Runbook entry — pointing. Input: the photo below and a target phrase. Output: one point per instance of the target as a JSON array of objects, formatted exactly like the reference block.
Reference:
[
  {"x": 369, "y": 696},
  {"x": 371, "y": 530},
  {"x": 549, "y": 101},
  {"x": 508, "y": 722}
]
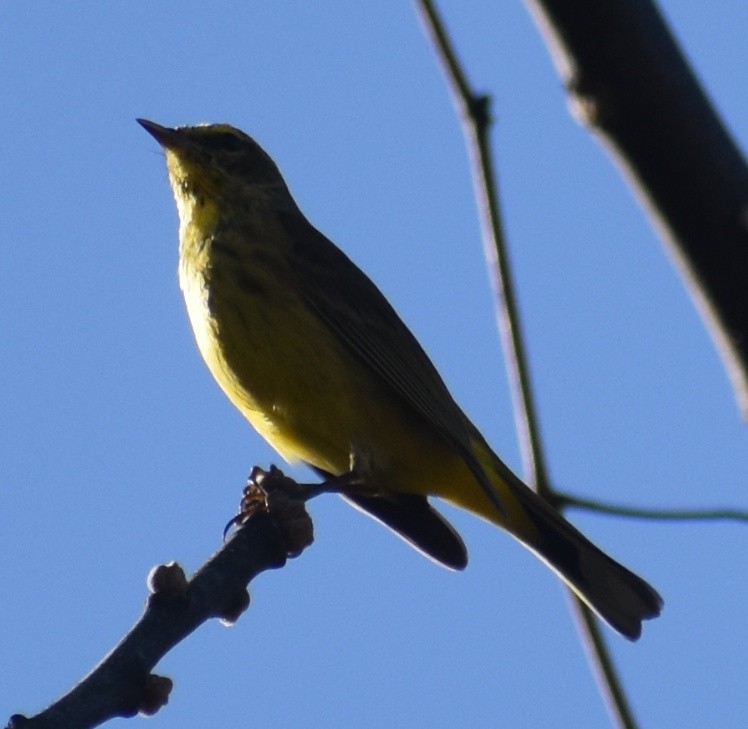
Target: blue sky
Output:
[{"x": 119, "y": 452}]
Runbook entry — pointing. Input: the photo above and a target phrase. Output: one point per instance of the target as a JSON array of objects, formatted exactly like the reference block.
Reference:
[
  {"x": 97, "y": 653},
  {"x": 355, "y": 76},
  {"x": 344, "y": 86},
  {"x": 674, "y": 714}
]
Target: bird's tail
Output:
[{"x": 616, "y": 594}]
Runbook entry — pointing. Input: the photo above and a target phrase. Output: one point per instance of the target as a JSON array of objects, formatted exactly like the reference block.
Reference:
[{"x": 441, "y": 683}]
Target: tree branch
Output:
[
  {"x": 122, "y": 685},
  {"x": 601, "y": 507},
  {"x": 630, "y": 84},
  {"x": 473, "y": 112},
  {"x": 603, "y": 668}
]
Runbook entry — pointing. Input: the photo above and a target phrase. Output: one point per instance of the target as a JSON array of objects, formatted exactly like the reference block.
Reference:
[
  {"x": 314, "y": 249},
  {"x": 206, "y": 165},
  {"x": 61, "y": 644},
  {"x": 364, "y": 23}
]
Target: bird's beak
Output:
[{"x": 166, "y": 137}]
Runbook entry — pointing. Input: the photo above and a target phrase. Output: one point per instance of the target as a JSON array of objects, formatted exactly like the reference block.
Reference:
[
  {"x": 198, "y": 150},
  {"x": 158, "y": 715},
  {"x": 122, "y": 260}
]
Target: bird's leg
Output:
[
  {"x": 349, "y": 481},
  {"x": 263, "y": 485},
  {"x": 273, "y": 493}
]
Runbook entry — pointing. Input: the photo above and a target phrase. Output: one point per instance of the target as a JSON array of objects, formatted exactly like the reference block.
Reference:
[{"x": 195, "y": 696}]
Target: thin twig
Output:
[
  {"x": 578, "y": 502},
  {"x": 473, "y": 112},
  {"x": 604, "y": 671}
]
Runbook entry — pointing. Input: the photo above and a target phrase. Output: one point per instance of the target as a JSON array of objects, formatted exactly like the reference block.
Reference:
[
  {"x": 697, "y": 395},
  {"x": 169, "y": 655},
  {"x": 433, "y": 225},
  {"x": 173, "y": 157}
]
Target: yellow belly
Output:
[
  {"x": 313, "y": 400},
  {"x": 303, "y": 391}
]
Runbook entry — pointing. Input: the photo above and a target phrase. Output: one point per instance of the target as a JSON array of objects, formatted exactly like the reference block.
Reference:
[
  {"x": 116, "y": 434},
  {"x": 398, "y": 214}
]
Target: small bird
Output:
[{"x": 315, "y": 357}]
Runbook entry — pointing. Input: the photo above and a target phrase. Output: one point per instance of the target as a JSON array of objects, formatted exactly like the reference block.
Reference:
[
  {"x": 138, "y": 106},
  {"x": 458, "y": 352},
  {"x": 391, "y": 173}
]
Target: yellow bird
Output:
[{"x": 315, "y": 357}]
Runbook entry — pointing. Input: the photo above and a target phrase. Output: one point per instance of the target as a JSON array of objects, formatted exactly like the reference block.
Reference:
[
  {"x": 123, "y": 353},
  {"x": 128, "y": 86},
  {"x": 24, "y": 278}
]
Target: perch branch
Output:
[{"x": 122, "y": 685}]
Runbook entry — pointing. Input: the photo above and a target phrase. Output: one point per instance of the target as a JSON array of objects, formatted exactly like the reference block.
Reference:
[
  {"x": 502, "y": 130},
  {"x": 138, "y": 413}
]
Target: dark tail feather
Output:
[{"x": 616, "y": 594}]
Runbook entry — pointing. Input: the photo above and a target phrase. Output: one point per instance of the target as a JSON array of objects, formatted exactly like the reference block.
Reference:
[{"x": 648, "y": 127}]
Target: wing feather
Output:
[{"x": 350, "y": 304}]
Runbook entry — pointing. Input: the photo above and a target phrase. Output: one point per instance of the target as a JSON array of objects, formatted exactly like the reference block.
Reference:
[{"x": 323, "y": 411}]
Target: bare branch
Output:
[
  {"x": 629, "y": 82},
  {"x": 122, "y": 685},
  {"x": 602, "y": 507},
  {"x": 473, "y": 110},
  {"x": 604, "y": 671}
]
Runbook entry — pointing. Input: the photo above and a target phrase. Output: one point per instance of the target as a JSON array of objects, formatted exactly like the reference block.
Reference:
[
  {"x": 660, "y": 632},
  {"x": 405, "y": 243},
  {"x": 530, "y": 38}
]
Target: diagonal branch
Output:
[
  {"x": 630, "y": 84},
  {"x": 122, "y": 685},
  {"x": 473, "y": 111}
]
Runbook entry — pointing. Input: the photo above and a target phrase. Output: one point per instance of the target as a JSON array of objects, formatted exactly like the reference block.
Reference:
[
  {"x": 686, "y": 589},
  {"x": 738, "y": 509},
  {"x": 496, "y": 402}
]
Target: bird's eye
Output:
[{"x": 225, "y": 141}]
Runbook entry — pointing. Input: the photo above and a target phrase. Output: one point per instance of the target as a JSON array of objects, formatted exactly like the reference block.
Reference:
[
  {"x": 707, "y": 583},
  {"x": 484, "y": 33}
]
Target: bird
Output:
[{"x": 315, "y": 357}]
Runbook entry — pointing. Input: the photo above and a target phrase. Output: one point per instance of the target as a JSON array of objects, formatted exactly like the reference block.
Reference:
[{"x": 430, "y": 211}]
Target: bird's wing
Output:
[
  {"x": 349, "y": 303},
  {"x": 414, "y": 520}
]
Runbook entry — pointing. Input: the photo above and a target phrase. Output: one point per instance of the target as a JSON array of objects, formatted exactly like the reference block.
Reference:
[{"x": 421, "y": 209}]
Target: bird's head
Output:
[{"x": 214, "y": 162}]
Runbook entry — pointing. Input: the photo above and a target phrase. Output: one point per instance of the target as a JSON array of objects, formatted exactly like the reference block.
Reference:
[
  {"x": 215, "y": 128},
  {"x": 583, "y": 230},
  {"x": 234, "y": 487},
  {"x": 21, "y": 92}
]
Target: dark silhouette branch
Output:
[
  {"x": 629, "y": 82},
  {"x": 122, "y": 685}
]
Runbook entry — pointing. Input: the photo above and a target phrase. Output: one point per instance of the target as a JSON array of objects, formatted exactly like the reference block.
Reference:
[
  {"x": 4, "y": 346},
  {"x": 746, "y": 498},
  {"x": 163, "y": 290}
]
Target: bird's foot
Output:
[{"x": 272, "y": 492}]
